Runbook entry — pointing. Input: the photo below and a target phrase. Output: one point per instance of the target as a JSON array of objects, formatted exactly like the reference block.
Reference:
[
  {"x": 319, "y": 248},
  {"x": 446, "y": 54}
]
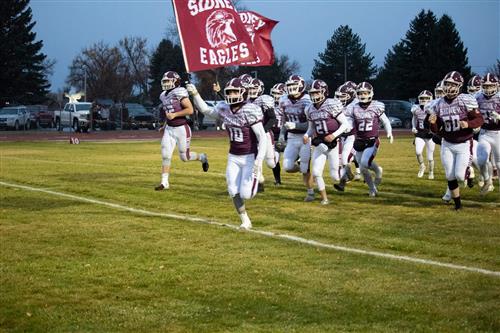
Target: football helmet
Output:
[
  {"x": 246, "y": 79},
  {"x": 438, "y": 91},
  {"x": 278, "y": 90},
  {"x": 489, "y": 84},
  {"x": 345, "y": 93},
  {"x": 474, "y": 84},
  {"x": 364, "y": 92},
  {"x": 318, "y": 91},
  {"x": 235, "y": 92},
  {"x": 255, "y": 88},
  {"x": 295, "y": 85},
  {"x": 424, "y": 97},
  {"x": 452, "y": 83},
  {"x": 170, "y": 80},
  {"x": 351, "y": 84}
]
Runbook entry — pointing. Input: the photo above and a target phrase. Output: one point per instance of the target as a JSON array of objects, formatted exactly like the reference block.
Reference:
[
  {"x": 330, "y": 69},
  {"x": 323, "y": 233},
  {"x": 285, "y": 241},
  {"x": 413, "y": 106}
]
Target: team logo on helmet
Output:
[
  {"x": 170, "y": 80},
  {"x": 489, "y": 84},
  {"x": 474, "y": 84},
  {"x": 452, "y": 83},
  {"x": 424, "y": 97},
  {"x": 364, "y": 92},
  {"x": 235, "y": 92},
  {"x": 318, "y": 91},
  {"x": 295, "y": 85},
  {"x": 246, "y": 80},
  {"x": 218, "y": 29},
  {"x": 278, "y": 90},
  {"x": 346, "y": 93}
]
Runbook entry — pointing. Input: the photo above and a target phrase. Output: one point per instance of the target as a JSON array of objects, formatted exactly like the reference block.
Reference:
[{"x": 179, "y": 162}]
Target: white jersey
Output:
[
  {"x": 294, "y": 111},
  {"x": 487, "y": 106}
]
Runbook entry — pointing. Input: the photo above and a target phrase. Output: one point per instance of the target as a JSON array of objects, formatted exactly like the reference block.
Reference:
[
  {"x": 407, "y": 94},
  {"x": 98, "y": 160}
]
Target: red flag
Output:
[
  {"x": 259, "y": 28},
  {"x": 212, "y": 34}
]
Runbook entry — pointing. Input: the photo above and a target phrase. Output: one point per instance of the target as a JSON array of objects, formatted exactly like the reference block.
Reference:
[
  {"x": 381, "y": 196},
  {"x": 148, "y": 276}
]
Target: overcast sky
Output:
[{"x": 67, "y": 26}]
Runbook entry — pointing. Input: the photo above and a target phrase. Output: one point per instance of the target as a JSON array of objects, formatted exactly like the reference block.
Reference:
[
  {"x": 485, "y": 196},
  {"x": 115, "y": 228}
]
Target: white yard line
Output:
[{"x": 259, "y": 232}]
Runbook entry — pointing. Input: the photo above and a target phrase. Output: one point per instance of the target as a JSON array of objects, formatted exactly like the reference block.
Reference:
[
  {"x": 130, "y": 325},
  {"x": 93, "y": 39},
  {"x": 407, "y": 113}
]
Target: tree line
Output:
[{"x": 129, "y": 71}]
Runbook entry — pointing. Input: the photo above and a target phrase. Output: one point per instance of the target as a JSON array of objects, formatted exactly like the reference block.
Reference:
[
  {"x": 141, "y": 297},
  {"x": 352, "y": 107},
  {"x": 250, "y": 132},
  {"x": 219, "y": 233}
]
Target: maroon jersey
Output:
[
  {"x": 420, "y": 115},
  {"x": 366, "y": 121},
  {"x": 238, "y": 125},
  {"x": 294, "y": 111},
  {"x": 487, "y": 106},
  {"x": 172, "y": 103},
  {"x": 450, "y": 113},
  {"x": 325, "y": 118}
]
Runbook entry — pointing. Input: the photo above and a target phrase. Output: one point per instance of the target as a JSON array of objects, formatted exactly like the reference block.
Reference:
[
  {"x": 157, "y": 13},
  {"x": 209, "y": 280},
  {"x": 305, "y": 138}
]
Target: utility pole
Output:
[
  {"x": 85, "y": 84},
  {"x": 345, "y": 67}
]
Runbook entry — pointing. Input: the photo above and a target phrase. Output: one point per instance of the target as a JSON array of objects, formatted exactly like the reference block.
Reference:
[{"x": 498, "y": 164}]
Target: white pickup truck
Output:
[{"x": 75, "y": 115}]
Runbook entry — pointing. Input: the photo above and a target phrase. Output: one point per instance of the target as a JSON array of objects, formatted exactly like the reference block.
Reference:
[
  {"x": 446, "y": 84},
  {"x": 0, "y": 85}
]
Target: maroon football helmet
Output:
[
  {"x": 424, "y": 97},
  {"x": 489, "y": 84},
  {"x": 438, "y": 91},
  {"x": 345, "y": 93},
  {"x": 170, "y": 80},
  {"x": 295, "y": 85},
  {"x": 235, "y": 92},
  {"x": 474, "y": 84},
  {"x": 255, "y": 88},
  {"x": 351, "y": 84},
  {"x": 278, "y": 90},
  {"x": 318, "y": 91},
  {"x": 453, "y": 82},
  {"x": 364, "y": 92},
  {"x": 246, "y": 79}
]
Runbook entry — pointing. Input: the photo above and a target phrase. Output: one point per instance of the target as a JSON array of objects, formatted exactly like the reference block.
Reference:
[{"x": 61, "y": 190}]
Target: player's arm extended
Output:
[
  {"x": 387, "y": 126},
  {"x": 258, "y": 129},
  {"x": 199, "y": 103},
  {"x": 345, "y": 125}
]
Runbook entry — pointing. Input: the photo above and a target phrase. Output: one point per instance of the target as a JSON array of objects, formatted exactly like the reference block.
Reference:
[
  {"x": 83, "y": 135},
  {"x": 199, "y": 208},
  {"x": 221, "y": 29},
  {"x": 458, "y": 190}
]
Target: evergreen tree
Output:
[
  {"x": 167, "y": 57},
  {"x": 344, "y": 53},
  {"x": 22, "y": 78},
  {"x": 430, "y": 49}
]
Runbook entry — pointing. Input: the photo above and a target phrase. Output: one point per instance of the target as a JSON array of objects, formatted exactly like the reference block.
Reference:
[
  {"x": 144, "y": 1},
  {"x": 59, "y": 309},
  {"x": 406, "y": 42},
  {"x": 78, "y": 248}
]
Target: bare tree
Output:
[
  {"x": 104, "y": 70},
  {"x": 137, "y": 58}
]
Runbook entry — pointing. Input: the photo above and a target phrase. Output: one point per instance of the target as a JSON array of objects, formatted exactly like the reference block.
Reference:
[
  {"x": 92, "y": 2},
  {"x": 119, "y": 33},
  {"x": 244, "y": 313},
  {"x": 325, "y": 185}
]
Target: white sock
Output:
[{"x": 164, "y": 178}]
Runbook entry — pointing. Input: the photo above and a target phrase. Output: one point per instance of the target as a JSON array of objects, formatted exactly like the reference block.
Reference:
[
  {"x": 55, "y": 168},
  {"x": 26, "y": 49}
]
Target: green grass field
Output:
[{"x": 67, "y": 265}]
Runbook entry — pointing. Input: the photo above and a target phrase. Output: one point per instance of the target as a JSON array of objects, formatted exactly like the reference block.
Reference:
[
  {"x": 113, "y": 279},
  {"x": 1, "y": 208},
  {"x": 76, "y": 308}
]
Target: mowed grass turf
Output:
[{"x": 68, "y": 265}]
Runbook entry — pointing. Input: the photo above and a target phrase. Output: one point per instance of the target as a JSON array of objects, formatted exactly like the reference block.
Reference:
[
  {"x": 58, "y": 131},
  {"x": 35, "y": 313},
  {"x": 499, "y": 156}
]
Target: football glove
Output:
[
  {"x": 191, "y": 89},
  {"x": 290, "y": 125}
]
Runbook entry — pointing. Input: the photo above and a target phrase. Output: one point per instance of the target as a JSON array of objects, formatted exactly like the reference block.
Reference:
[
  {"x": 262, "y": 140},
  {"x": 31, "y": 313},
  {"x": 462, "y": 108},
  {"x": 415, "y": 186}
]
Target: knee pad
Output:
[{"x": 452, "y": 184}]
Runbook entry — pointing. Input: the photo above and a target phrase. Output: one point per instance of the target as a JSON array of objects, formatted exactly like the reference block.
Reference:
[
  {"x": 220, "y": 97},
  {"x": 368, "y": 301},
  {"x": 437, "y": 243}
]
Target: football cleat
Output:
[
  {"x": 309, "y": 197},
  {"x": 470, "y": 182},
  {"x": 431, "y": 175},
  {"x": 339, "y": 187},
  {"x": 260, "y": 187},
  {"x": 487, "y": 187},
  {"x": 325, "y": 202},
  {"x": 357, "y": 176},
  {"x": 245, "y": 222},
  {"x": 204, "y": 162},
  {"x": 421, "y": 171},
  {"x": 161, "y": 187},
  {"x": 373, "y": 192},
  {"x": 446, "y": 197},
  {"x": 378, "y": 176}
]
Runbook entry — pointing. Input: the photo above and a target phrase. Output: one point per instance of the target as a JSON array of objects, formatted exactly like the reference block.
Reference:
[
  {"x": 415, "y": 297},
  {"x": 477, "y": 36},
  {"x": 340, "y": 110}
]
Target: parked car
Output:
[
  {"x": 75, "y": 115},
  {"x": 135, "y": 116},
  {"x": 40, "y": 116},
  {"x": 16, "y": 117},
  {"x": 395, "y": 122},
  {"x": 399, "y": 109}
]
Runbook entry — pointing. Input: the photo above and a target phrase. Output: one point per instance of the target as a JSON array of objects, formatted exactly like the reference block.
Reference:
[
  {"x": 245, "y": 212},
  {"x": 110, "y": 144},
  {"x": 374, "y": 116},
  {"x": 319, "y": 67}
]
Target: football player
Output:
[
  {"x": 326, "y": 123},
  {"x": 346, "y": 94},
  {"x": 454, "y": 116},
  {"x": 423, "y": 135},
  {"x": 176, "y": 104},
  {"x": 293, "y": 105},
  {"x": 366, "y": 115},
  {"x": 489, "y": 138},
  {"x": 266, "y": 103},
  {"x": 243, "y": 123},
  {"x": 474, "y": 85},
  {"x": 277, "y": 91}
]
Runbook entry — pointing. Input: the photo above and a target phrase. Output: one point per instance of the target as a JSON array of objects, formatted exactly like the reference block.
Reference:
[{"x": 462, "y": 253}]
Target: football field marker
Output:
[{"x": 259, "y": 232}]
